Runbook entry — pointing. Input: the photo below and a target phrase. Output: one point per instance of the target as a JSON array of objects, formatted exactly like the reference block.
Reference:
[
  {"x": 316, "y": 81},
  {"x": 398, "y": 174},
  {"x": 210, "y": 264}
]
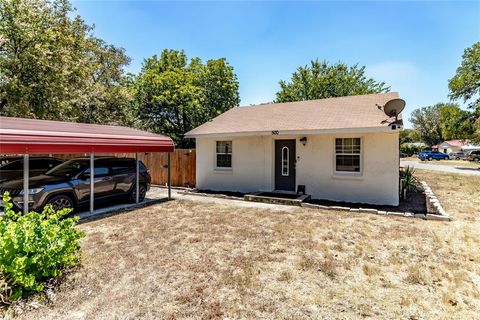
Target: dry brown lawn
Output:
[
  {"x": 183, "y": 259},
  {"x": 456, "y": 163}
]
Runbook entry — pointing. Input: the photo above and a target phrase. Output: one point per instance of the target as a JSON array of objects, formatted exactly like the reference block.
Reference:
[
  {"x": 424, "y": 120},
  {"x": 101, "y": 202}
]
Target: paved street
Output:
[{"x": 442, "y": 168}]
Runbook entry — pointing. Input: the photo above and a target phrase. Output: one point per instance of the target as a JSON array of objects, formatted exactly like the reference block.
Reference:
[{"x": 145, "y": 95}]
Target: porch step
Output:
[{"x": 289, "y": 199}]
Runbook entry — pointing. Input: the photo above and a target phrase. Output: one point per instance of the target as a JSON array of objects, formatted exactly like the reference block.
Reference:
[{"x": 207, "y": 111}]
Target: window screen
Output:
[
  {"x": 347, "y": 154},
  {"x": 224, "y": 154}
]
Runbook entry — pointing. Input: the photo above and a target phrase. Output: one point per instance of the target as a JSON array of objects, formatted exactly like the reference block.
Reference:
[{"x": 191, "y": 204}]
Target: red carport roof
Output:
[{"x": 18, "y": 136}]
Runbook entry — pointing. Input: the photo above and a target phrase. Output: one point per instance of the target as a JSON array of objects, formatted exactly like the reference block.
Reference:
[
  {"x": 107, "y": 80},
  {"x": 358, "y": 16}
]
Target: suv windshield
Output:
[{"x": 68, "y": 169}]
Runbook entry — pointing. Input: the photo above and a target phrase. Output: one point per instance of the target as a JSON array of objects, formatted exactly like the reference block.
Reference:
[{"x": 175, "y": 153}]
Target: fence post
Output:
[
  {"x": 169, "y": 177},
  {"x": 92, "y": 182},
  {"x": 137, "y": 179}
]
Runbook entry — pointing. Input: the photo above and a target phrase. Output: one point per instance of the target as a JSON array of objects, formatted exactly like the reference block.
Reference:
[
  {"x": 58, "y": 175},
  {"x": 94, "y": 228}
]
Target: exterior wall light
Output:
[{"x": 303, "y": 140}]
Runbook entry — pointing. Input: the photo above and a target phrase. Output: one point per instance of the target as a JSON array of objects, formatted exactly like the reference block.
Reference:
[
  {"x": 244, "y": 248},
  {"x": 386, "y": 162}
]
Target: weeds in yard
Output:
[
  {"x": 285, "y": 275},
  {"x": 370, "y": 270},
  {"x": 245, "y": 277},
  {"x": 418, "y": 274},
  {"x": 326, "y": 264},
  {"x": 449, "y": 298},
  {"x": 365, "y": 310}
]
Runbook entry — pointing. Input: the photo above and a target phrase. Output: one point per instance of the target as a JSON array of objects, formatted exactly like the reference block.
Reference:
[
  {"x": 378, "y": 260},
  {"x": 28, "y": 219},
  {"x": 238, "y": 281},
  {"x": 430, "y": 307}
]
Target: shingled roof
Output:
[{"x": 352, "y": 113}]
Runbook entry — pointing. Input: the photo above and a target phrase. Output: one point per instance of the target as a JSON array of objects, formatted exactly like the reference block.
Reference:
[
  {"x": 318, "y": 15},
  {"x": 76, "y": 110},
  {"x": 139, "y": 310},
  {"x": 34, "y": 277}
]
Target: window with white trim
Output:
[
  {"x": 285, "y": 160},
  {"x": 347, "y": 154},
  {"x": 224, "y": 154}
]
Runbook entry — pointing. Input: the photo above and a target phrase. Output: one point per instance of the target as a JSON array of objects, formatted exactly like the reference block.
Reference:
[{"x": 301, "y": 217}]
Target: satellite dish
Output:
[{"x": 393, "y": 107}]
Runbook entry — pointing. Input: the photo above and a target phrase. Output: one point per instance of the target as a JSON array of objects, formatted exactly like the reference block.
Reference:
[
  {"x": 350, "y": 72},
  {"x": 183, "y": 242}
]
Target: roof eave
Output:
[{"x": 385, "y": 129}]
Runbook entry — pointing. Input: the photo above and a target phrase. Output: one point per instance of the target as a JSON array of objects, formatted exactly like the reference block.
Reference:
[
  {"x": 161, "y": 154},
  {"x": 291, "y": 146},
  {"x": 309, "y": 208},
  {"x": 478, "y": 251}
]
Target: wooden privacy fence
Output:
[{"x": 182, "y": 162}]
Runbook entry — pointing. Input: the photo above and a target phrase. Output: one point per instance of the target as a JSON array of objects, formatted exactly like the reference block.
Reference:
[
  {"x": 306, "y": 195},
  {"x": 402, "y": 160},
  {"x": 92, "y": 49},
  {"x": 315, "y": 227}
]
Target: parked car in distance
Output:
[
  {"x": 457, "y": 155},
  {"x": 68, "y": 184},
  {"x": 403, "y": 155},
  {"x": 6, "y": 159},
  {"x": 430, "y": 155},
  {"x": 12, "y": 167},
  {"x": 474, "y": 156}
]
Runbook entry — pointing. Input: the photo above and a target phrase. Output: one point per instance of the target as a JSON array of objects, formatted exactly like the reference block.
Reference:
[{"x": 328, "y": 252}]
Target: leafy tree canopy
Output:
[
  {"x": 409, "y": 136},
  {"x": 455, "y": 122},
  {"x": 174, "y": 95},
  {"x": 443, "y": 121},
  {"x": 466, "y": 84},
  {"x": 52, "y": 67},
  {"x": 324, "y": 80}
]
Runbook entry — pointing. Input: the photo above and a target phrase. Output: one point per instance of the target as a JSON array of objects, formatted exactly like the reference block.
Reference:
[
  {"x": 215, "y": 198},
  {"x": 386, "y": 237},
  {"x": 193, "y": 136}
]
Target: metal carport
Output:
[{"x": 31, "y": 136}]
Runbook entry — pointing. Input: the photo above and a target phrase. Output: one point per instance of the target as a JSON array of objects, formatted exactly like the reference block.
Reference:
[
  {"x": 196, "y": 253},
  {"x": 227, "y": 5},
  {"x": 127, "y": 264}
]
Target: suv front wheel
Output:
[
  {"x": 60, "y": 202},
  {"x": 142, "y": 193}
]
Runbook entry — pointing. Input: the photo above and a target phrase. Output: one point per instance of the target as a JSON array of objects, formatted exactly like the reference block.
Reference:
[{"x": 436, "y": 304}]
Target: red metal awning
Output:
[{"x": 20, "y": 136}]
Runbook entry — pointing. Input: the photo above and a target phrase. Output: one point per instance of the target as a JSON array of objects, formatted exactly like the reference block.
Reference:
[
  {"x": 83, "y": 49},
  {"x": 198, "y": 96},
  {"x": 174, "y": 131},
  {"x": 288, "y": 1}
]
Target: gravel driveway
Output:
[{"x": 437, "y": 167}]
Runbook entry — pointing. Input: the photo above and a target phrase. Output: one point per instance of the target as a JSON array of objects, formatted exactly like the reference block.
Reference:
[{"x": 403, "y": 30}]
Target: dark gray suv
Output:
[{"x": 68, "y": 184}]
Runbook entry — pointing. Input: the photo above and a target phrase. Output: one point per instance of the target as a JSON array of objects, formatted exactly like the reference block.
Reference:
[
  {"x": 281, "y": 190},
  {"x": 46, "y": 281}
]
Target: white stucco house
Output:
[{"x": 341, "y": 149}]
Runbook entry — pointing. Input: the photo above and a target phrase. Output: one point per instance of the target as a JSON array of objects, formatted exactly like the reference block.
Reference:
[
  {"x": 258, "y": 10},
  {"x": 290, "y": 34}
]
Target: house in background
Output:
[
  {"x": 451, "y": 146},
  {"x": 456, "y": 146},
  {"x": 341, "y": 149}
]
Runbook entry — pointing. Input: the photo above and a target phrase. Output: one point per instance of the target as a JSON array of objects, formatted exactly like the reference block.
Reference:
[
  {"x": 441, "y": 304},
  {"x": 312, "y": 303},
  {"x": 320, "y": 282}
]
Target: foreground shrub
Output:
[{"x": 35, "y": 247}]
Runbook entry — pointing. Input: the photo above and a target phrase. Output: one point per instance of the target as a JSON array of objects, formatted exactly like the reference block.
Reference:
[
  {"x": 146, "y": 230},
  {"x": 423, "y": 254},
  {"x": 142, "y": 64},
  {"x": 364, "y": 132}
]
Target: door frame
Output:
[{"x": 274, "y": 140}]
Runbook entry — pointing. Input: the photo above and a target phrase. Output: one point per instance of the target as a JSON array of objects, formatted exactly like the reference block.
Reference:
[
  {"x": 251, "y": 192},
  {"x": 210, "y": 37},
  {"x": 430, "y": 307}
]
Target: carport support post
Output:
[
  {"x": 26, "y": 169},
  {"x": 92, "y": 181},
  {"x": 169, "y": 182},
  {"x": 137, "y": 179}
]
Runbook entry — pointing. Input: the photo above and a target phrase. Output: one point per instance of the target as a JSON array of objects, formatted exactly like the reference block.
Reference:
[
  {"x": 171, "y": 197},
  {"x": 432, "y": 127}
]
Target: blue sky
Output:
[{"x": 415, "y": 47}]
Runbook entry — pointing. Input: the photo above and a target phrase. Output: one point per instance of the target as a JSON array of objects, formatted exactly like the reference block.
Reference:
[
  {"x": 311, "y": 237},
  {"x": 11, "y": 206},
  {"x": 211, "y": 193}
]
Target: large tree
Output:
[
  {"x": 455, "y": 122},
  {"x": 409, "y": 136},
  {"x": 442, "y": 121},
  {"x": 52, "y": 67},
  {"x": 426, "y": 121},
  {"x": 465, "y": 84},
  {"x": 324, "y": 80},
  {"x": 174, "y": 95}
]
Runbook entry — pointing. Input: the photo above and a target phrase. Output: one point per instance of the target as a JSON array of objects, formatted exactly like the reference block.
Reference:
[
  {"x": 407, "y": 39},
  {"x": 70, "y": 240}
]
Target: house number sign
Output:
[{"x": 274, "y": 132}]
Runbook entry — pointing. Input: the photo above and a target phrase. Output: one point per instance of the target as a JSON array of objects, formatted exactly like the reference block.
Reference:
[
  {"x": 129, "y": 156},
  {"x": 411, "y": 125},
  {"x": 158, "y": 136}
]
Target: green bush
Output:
[
  {"x": 410, "y": 149},
  {"x": 35, "y": 247}
]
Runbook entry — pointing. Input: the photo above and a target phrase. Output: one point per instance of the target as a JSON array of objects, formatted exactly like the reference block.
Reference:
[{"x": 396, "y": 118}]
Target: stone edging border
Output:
[
  {"x": 435, "y": 210},
  {"x": 365, "y": 210},
  {"x": 428, "y": 216}
]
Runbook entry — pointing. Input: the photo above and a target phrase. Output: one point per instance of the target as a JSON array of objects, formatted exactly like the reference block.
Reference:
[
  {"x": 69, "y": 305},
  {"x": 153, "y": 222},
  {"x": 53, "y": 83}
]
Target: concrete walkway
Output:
[
  {"x": 441, "y": 168},
  {"x": 158, "y": 194}
]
